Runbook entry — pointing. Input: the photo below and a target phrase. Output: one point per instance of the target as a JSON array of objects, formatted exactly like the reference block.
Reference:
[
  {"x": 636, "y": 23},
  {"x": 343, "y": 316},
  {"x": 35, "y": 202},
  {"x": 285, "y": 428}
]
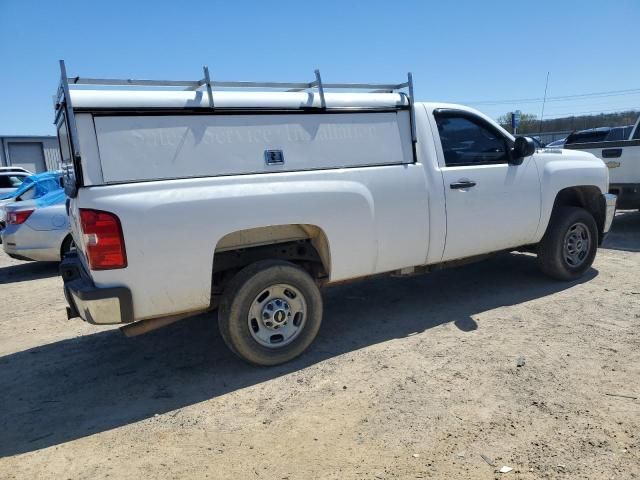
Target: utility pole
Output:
[{"x": 546, "y": 85}]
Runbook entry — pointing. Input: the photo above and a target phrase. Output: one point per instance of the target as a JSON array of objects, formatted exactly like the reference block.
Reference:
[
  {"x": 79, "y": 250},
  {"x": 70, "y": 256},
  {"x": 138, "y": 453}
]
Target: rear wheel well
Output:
[
  {"x": 303, "y": 245},
  {"x": 588, "y": 197},
  {"x": 65, "y": 245}
]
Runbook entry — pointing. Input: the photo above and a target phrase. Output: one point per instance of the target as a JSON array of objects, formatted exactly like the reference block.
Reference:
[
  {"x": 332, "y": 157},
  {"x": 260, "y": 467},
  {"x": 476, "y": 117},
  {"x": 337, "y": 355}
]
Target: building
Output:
[{"x": 37, "y": 153}]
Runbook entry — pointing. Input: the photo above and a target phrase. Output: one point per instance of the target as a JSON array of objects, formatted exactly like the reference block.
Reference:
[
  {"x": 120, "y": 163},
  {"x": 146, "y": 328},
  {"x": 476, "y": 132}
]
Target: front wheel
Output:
[
  {"x": 270, "y": 312},
  {"x": 569, "y": 245}
]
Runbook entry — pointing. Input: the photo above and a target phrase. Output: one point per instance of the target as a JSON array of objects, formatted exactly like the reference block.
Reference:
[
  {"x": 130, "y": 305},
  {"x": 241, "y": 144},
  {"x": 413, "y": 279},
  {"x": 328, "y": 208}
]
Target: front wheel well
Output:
[{"x": 588, "y": 197}]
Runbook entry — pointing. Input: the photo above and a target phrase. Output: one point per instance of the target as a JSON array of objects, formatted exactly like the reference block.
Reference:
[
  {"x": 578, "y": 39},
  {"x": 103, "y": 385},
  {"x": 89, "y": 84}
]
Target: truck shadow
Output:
[
  {"x": 77, "y": 387},
  {"x": 625, "y": 232},
  {"x": 23, "y": 272}
]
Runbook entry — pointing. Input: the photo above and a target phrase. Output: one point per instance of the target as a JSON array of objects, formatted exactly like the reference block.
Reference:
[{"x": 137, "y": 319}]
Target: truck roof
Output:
[{"x": 132, "y": 99}]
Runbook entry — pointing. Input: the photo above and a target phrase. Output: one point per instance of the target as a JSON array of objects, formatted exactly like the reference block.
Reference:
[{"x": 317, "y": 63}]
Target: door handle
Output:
[
  {"x": 612, "y": 153},
  {"x": 462, "y": 184}
]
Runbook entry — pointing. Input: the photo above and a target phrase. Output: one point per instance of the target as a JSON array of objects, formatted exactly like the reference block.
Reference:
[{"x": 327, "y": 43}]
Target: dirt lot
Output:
[{"x": 409, "y": 378}]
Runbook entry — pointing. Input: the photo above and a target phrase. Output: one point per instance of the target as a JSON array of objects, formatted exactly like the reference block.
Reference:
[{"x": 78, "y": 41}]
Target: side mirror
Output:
[{"x": 523, "y": 147}]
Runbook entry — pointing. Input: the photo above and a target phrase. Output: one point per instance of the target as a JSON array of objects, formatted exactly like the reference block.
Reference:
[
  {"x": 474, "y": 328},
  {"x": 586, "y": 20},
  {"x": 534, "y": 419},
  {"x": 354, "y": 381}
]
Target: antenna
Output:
[{"x": 546, "y": 86}]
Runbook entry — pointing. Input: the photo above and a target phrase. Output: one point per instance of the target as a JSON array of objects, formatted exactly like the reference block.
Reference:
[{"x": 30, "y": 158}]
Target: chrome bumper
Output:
[{"x": 610, "y": 210}]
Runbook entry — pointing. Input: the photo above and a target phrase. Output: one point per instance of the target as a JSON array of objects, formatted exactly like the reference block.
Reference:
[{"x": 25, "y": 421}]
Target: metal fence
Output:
[{"x": 547, "y": 137}]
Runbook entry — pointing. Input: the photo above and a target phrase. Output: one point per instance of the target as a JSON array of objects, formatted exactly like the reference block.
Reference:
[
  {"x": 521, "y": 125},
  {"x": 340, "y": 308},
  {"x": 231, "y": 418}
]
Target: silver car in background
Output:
[{"x": 37, "y": 229}]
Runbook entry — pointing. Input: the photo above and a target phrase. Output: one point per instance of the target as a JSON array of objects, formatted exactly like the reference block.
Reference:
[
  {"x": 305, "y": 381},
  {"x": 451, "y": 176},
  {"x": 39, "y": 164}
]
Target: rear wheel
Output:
[
  {"x": 569, "y": 245},
  {"x": 270, "y": 312}
]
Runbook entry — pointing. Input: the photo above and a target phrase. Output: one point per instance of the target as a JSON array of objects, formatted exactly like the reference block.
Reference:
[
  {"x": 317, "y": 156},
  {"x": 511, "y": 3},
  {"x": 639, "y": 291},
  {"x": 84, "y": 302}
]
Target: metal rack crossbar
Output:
[
  {"x": 194, "y": 85},
  {"x": 191, "y": 85},
  {"x": 63, "y": 98}
]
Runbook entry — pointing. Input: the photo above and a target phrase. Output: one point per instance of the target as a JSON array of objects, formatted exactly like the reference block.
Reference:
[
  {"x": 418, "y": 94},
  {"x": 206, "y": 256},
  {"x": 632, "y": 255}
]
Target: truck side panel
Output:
[
  {"x": 622, "y": 158},
  {"x": 375, "y": 220},
  {"x": 135, "y": 148}
]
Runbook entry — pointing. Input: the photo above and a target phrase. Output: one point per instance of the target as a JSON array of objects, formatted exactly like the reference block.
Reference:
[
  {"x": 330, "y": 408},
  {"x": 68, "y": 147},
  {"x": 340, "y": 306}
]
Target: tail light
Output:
[
  {"x": 16, "y": 218},
  {"x": 103, "y": 239}
]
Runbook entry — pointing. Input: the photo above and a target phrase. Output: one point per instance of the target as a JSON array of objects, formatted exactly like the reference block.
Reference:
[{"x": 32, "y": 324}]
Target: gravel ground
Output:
[{"x": 409, "y": 378}]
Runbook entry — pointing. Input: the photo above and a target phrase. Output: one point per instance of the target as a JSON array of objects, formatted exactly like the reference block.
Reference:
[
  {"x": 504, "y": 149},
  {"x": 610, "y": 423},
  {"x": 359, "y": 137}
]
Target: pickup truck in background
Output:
[
  {"x": 619, "y": 149},
  {"x": 182, "y": 201}
]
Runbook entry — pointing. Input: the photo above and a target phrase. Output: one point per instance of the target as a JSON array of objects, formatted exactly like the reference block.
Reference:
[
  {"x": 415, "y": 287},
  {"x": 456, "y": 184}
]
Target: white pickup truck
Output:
[
  {"x": 185, "y": 200},
  {"x": 621, "y": 156}
]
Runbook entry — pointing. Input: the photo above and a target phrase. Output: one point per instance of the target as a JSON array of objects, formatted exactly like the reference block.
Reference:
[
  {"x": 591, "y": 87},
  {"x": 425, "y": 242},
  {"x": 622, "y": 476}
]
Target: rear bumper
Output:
[
  {"x": 100, "y": 306},
  {"x": 628, "y": 195},
  {"x": 610, "y": 211}
]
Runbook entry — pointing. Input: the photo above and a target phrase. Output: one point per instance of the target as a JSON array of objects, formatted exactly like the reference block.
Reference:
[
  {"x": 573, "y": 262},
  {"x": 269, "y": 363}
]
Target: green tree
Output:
[{"x": 528, "y": 122}]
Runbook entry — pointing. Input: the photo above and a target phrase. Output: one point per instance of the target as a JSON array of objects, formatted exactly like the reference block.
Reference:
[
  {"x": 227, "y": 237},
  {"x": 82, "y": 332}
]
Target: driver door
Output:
[{"x": 490, "y": 204}]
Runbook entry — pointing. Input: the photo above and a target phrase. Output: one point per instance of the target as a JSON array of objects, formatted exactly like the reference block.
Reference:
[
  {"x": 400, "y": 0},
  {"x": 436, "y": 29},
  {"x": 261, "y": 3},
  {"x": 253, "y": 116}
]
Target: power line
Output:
[
  {"x": 610, "y": 93},
  {"x": 598, "y": 103},
  {"x": 573, "y": 114}
]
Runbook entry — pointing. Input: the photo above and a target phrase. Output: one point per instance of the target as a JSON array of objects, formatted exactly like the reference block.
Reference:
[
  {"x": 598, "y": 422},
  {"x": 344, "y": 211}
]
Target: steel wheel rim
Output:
[
  {"x": 577, "y": 243},
  {"x": 277, "y": 315}
]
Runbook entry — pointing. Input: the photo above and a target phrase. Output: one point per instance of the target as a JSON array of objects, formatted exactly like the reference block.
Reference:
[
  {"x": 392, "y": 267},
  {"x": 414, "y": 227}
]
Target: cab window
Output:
[{"x": 470, "y": 141}]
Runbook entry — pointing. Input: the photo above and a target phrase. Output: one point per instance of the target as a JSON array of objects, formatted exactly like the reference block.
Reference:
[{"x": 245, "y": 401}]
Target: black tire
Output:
[
  {"x": 67, "y": 246},
  {"x": 241, "y": 294},
  {"x": 554, "y": 253}
]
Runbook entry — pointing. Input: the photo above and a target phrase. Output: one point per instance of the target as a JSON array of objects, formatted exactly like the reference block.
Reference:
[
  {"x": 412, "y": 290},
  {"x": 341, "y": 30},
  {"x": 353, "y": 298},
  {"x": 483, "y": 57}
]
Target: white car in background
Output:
[
  {"x": 38, "y": 229},
  {"x": 11, "y": 178}
]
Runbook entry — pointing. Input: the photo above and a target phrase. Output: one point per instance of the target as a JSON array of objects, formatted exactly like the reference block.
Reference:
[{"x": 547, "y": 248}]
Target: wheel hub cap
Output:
[
  {"x": 577, "y": 243},
  {"x": 277, "y": 315}
]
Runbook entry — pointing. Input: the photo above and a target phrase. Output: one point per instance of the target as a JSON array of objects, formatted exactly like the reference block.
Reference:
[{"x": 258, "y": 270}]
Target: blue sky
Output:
[{"x": 459, "y": 51}]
